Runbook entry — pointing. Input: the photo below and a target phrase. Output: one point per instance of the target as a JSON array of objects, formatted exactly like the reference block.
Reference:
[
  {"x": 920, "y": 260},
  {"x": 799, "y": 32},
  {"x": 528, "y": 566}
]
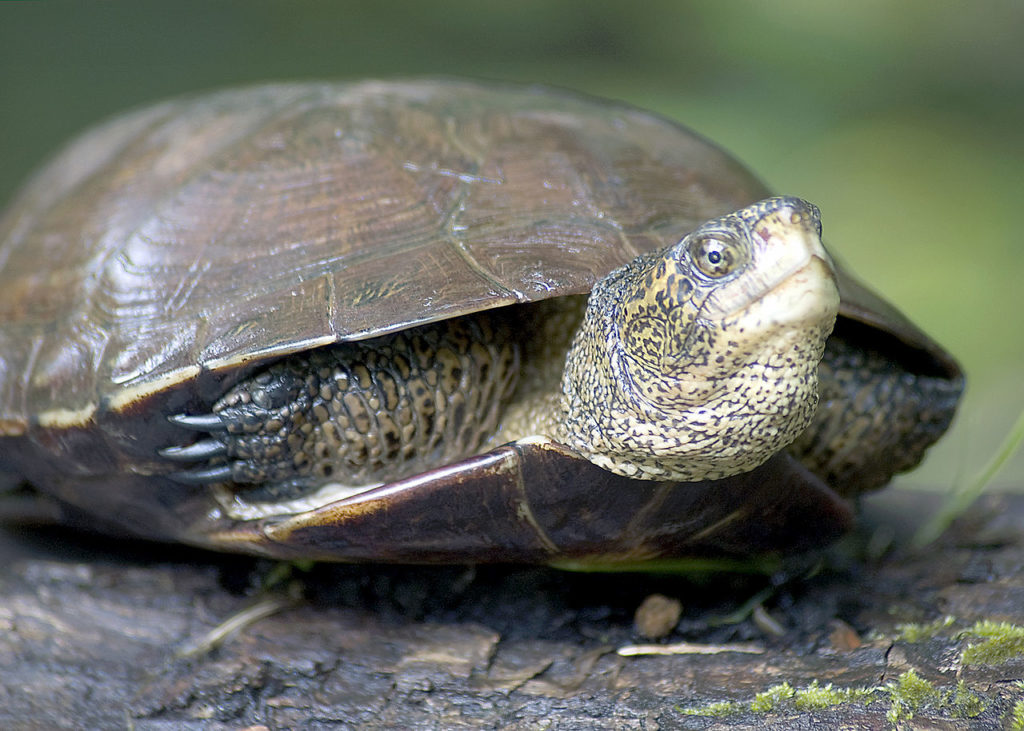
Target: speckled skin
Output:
[
  {"x": 366, "y": 412},
  {"x": 691, "y": 363},
  {"x": 866, "y": 400},
  {"x": 701, "y": 361}
]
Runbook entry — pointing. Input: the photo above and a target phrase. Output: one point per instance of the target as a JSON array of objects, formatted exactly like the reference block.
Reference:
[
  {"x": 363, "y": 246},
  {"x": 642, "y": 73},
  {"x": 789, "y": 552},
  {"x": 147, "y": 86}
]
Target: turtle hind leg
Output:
[{"x": 359, "y": 413}]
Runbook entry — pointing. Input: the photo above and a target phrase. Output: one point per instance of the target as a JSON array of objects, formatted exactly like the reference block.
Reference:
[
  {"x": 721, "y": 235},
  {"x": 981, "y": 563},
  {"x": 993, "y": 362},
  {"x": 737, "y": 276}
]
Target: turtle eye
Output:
[{"x": 714, "y": 257}]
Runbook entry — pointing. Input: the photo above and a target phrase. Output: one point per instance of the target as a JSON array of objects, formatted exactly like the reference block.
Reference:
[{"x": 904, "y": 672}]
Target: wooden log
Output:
[{"x": 96, "y": 634}]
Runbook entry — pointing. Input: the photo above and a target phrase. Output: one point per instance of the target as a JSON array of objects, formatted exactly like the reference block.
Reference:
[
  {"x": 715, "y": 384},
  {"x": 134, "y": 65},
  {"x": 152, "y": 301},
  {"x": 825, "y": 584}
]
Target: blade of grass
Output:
[{"x": 961, "y": 499}]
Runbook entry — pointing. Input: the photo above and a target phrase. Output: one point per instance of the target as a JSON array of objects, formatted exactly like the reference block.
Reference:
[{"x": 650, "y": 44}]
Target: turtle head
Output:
[{"x": 700, "y": 361}]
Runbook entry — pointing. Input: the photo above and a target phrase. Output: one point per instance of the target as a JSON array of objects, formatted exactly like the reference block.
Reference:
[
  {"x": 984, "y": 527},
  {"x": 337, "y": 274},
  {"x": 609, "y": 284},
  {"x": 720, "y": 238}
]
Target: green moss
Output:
[
  {"x": 914, "y": 690},
  {"x": 722, "y": 708},
  {"x": 1015, "y": 718},
  {"x": 815, "y": 697},
  {"x": 909, "y": 694},
  {"x": 770, "y": 699},
  {"x": 921, "y": 632},
  {"x": 965, "y": 703},
  {"x": 1002, "y": 641},
  {"x": 778, "y": 697}
]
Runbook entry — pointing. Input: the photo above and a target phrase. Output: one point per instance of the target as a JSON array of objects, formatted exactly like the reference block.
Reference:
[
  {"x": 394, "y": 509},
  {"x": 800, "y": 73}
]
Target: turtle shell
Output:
[{"x": 167, "y": 253}]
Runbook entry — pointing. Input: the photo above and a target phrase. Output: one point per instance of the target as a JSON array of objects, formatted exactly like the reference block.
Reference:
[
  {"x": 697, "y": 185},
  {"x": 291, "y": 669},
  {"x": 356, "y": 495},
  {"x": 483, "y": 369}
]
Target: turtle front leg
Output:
[{"x": 358, "y": 413}]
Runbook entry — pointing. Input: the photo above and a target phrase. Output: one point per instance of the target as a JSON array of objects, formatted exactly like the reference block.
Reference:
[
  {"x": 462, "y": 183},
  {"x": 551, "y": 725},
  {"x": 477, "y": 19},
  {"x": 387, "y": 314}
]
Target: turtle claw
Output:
[
  {"x": 198, "y": 422},
  {"x": 205, "y": 449},
  {"x": 201, "y": 451},
  {"x": 203, "y": 476}
]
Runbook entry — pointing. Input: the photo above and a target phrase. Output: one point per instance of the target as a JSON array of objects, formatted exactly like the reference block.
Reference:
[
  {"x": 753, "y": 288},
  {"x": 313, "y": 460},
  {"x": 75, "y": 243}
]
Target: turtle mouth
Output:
[
  {"x": 807, "y": 288},
  {"x": 788, "y": 257},
  {"x": 808, "y": 295}
]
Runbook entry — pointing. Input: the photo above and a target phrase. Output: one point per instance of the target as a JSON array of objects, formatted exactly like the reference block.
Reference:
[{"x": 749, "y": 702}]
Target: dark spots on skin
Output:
[
  {"x": 372, "y": 411},
  {"x": 393, "y": 444},
  {"x": 719, "y": 408}
]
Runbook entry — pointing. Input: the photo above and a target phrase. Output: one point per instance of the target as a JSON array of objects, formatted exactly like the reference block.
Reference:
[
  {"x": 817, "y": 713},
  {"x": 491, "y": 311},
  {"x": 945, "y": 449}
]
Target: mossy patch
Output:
[
  {"x": 722, "y": 708},
  {"x": 965, "y": 702},
  {"x": 770, "y": 699},
  {"x": 1001, "y": 641},
  {"x": 1015, "y": 718},
  {"x": 989, "y": 643},
  {"x": 907, "y": 695},
  {"x": 916, "y": 632},
  {"x": 815, "y": 697}
]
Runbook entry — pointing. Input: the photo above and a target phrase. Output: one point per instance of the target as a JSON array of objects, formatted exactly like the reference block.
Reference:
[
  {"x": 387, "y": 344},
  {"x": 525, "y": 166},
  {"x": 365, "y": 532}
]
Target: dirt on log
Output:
[{"x": 103, "y": 634}]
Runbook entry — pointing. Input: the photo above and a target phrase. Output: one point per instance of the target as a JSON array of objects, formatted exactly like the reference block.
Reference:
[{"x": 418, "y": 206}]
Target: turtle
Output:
[{"x": 430, "y": 321}]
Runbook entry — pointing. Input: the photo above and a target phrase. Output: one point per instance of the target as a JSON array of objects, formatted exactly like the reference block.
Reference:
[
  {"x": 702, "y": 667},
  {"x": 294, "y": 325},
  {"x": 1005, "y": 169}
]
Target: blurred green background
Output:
[{"x": 903, "y": 121}]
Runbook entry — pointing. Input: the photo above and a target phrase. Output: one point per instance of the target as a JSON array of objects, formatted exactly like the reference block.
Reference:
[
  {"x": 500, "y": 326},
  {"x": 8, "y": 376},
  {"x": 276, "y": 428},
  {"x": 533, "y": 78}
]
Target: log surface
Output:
[{"x": 96, "y": 634}]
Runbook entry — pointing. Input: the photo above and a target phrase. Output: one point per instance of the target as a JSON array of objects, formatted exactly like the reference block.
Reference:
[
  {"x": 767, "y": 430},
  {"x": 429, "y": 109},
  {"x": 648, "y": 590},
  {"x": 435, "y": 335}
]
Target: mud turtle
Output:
[{"x": 331, "y": 320}]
